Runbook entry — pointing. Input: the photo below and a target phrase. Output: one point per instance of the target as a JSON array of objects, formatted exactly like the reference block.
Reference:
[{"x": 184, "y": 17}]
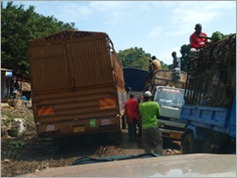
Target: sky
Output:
[{"x": 158, "y": 27}]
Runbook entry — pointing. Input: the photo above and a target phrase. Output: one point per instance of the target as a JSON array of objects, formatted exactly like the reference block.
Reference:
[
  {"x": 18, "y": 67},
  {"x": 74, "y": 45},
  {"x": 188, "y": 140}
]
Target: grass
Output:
[
  {"x": 29, "y": 119},
  {"x": 10, "y": 115}
]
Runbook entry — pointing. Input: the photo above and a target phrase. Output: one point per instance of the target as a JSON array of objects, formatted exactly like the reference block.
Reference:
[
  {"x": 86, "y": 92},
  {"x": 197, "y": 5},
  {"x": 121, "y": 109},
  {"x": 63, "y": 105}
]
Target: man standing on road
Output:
[
  {"x": 131, "y": 111},
  {"x": 151, "y": 137}
]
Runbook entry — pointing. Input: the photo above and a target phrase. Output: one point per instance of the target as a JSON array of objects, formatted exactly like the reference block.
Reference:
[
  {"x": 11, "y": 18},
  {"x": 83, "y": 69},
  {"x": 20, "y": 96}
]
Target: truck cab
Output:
[{"x": 170, "y": 100}]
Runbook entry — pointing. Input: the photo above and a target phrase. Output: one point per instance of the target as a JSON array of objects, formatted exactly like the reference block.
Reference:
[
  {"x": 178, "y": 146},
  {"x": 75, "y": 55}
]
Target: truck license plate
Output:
[
  {"x": 175, "y": 135},
  {"x": 79, "y": 129}
]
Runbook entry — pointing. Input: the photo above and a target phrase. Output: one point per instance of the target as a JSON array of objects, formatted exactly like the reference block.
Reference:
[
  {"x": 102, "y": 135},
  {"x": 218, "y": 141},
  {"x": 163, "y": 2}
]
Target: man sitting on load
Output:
[{"x": 198, "y": 39}]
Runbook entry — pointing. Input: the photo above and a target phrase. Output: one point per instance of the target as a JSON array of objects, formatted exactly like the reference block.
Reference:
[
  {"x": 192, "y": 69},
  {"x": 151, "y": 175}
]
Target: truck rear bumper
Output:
[
  {"x": 175, "y": 135},
  {"x": 70, "y": 128}
]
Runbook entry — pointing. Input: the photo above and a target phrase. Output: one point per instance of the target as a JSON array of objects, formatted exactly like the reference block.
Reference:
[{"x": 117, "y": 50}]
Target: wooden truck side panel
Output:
[{"x": 164, "y": 78}]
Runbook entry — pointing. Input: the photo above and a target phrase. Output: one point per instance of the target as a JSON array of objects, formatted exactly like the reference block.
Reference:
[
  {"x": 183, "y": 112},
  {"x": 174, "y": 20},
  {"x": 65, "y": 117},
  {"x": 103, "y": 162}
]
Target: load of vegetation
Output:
[
  {"x": 213, "y": 81},
  {"x": 217, "y": 36}
]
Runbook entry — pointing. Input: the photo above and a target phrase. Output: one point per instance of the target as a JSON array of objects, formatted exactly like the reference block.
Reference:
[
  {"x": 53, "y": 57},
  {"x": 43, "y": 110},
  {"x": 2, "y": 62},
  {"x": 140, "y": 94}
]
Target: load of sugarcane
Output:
[{"x": 212, "y": 75}]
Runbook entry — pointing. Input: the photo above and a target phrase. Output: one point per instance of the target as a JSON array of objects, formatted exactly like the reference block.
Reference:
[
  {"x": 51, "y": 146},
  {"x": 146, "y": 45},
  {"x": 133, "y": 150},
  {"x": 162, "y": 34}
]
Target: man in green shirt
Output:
[{"x": 151, "y": 137}]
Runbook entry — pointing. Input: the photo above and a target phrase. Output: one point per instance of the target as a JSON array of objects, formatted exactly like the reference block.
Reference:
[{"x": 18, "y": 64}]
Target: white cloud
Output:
[
  {"x": 108, "y": 6},
  {"x": 155, "y": 33},
  {"x": 116, "y": 12},
  {"x": 159, "y": 27},
  {"x": 109, "y": 12},
  {"x": 184, "y": 16},
  {"x": 74, "y": 12}
]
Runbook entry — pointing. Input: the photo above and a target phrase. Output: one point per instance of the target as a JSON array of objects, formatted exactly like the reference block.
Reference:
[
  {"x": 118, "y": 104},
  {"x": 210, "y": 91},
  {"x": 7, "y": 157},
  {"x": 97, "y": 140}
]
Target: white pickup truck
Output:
[{"x": 170, "y": 100}]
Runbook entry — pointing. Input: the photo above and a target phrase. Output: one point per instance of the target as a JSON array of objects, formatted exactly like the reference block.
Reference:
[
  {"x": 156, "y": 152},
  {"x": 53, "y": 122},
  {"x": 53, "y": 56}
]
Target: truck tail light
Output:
[
  {"x": 107, "y": 103},
  {"x": 45, "y": 110}
]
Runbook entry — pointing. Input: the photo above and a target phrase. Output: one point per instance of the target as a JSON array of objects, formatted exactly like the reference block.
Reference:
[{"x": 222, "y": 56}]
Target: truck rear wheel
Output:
[
  {"x": 190, "y": 145},
  {"x": 113, "y": 138}
]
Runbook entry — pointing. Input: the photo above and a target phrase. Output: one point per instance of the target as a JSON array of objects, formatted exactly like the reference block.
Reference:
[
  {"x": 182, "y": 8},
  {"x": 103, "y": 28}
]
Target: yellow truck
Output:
[{"x": 77, "y": 84}]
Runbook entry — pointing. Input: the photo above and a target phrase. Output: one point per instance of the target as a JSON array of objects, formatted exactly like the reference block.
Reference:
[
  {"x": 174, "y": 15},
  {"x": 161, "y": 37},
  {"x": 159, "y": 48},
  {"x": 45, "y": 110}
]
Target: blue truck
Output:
[
  {"x": 210, "y": 100},
  {"x": 135, "y": 79},
  {"x": 209, "y": 129}
]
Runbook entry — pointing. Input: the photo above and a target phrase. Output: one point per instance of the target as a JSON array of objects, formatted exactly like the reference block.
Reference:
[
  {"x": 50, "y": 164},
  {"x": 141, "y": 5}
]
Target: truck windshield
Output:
[{"x": 169, "y": 97}]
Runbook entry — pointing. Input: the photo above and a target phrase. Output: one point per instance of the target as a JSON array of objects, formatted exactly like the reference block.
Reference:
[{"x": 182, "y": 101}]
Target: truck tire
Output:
[
  {"x": 63, "y": 142},
  {"x": 124, "y": 124},
  {"x": 115, "y": 138},
  {"x": 190, "y": 145}
]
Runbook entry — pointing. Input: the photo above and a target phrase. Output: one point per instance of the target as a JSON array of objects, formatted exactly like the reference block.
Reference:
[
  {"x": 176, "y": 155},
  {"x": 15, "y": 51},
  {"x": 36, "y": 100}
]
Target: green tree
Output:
[
  {"x": 164, "y": 66},
  {"x": 184, "y": 50},
  {"x": 134, "y": 57},
  {"x": 137, "y": 58},
  {"x": 19, "y": 26}
]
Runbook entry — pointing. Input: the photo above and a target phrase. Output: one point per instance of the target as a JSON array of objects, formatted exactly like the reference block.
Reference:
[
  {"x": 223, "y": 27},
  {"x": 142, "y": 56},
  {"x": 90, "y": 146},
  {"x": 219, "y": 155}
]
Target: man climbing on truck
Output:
[
  {"x": 154, "y": 64},
  {"x": 153, "y": 68}
]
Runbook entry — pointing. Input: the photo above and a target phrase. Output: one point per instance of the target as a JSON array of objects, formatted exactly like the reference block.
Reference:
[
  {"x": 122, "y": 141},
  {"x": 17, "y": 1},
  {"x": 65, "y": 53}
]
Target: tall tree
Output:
[
  {"x": 137, "y": 58},
  {"x": 184, "y": 50},
  {"x": 19, "y": 26}
]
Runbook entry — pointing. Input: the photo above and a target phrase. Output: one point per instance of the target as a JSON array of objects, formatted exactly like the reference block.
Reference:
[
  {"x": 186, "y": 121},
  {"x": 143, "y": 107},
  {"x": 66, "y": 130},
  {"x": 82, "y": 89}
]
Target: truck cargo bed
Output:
[{"x": 215, "y": 118}]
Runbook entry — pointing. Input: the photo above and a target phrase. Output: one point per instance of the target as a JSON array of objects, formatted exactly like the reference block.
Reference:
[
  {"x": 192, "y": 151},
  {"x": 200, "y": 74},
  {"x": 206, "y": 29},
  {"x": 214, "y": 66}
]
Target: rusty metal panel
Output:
[
  {"x": 90, "y": 62},
  {"x": 79, "y": 106},
  {"x": 82, "y": 100},
  {"x": 75, "y": 57},
  {"x": 117, "y": 71},
  {"x": 46, "y": 75},
  {"x": 65, "y": 36}
]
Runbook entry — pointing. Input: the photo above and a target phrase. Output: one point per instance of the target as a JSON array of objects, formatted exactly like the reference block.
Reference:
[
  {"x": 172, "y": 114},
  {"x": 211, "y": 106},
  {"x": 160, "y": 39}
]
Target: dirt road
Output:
[{"x": 28, "y": 153}]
